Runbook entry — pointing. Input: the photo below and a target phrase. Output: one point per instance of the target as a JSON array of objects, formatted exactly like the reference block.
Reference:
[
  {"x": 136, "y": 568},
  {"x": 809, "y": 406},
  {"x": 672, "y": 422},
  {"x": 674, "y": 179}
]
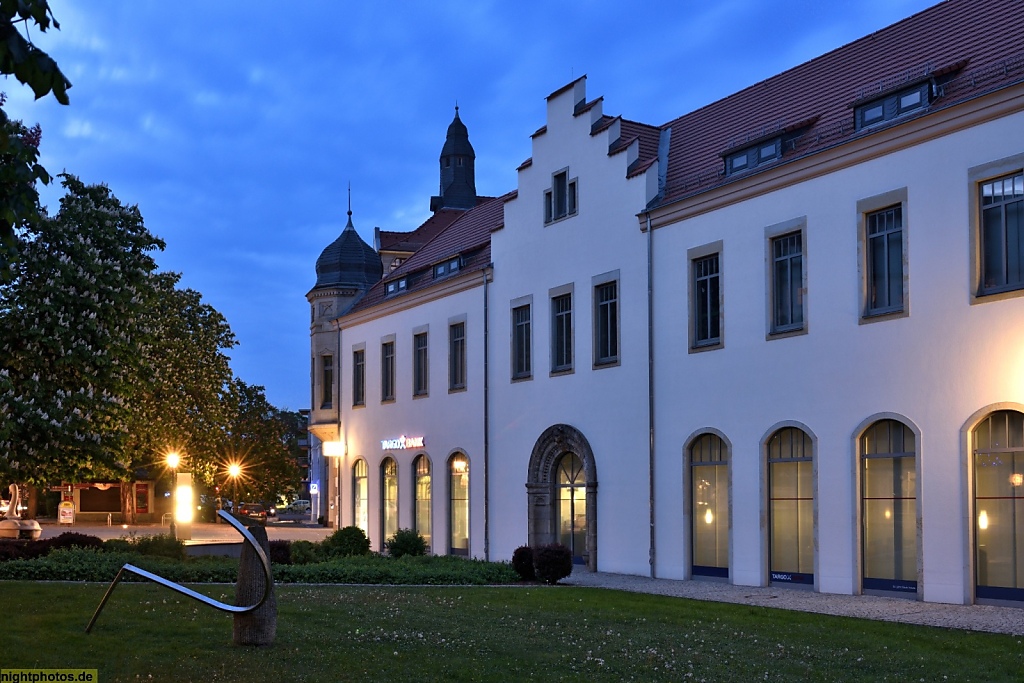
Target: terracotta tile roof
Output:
[
  {"x": 980, "y": 41},
  {"x": 413, "y": 240},
  {"x": 428, "y": 230},
  {"x": 468, "y": 236}
]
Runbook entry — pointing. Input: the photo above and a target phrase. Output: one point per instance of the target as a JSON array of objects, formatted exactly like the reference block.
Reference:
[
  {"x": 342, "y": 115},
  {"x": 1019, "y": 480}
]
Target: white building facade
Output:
[{"x": 776, "y": 340}]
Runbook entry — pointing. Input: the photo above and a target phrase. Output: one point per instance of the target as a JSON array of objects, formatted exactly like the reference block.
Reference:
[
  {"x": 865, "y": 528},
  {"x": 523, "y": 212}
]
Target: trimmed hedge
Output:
[
  {"x": 346, "y": 542},
  {"x": 522, "y": 562},
  {"x": 552, "y": 562},
  {"x": 406, "y": 542},
  {"x": 89, "y": 564}
]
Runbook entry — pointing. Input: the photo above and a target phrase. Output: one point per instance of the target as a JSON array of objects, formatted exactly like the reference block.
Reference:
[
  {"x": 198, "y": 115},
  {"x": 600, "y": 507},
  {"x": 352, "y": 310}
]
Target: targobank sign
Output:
[{"x": 401, "y": 443}]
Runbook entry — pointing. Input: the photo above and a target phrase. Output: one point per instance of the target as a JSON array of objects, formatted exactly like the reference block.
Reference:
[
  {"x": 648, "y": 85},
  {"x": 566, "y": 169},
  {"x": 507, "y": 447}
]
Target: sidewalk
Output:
[
  {"x": 989, "y": 618},
  {"x": 201, "y": 532}
]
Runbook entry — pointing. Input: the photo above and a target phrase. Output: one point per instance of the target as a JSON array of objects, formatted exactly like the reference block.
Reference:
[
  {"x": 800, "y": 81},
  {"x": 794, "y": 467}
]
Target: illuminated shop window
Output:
[
  {"x": 389, "y": 497},
  {"x": 791, "y": 506},
  {"x": 360, "y": 498},
  {"x": 889, "y": 484},
  {"x": 421, "y": 509},
  {"x": 999, "y": 506},
  {"x": 572, "y": 506},
  {"x": 458, "y": 505},
  {"x": 709, "y": 484}
]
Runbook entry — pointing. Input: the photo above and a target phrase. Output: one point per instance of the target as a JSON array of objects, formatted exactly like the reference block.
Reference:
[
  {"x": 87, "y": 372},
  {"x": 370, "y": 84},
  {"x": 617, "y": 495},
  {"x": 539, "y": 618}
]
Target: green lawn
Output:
[{"x": 343, "y": 633}]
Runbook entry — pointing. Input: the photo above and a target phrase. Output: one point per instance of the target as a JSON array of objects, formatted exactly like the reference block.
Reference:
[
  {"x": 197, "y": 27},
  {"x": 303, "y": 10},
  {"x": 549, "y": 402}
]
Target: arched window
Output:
[
  {"x": 360, "y": 497},
  {"x": 458, "y": 505},
  {"x": 421, "y": 507},
  {"x": 572, "y": 506},
  {"x": 999, "y": 506},
  {"x": 889, "y": 506},
  {"x": 709, "y": 489},
  {"x": 791, "y": 506},
  {"x": 388, "y": 498}
]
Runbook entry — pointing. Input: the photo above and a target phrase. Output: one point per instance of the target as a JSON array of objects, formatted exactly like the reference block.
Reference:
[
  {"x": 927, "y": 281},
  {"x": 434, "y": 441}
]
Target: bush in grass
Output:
[
  {"x": 160, "y": 545},
  {"x": 118, "y": 545},
  {"x": 71, "y": 539},
  {"x": 304, "y": 552},
  {"x": 406, "y": 542},
  {"x": 522, "y": 562},
  {"x": 552, "y": 562},
  {"x": 281, "y": 552},
  {"x": 346, "y": 542}
]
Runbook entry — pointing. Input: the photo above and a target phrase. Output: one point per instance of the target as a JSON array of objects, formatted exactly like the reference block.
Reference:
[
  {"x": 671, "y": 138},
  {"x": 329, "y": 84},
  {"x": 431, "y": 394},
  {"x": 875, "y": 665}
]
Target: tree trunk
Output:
[
  {"x": 32, "y": 502},
  {"x": 258, "y": 627},
  {"x": 128, "y": 502}
]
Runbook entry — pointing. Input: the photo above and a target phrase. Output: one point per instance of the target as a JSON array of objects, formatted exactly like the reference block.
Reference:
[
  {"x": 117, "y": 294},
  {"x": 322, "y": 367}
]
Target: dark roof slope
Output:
[
  {"x": 348, "y": 262},
  {"x": 979, "y": 43},
  {"x": 469, "y": 237},
  {"x": 415, "y": 239}
]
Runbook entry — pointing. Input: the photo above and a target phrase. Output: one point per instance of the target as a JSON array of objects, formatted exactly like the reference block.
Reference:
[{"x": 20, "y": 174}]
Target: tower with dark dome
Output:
[
  {"x": 346, "y": 269},
  {"x": 458, "y": 171}
]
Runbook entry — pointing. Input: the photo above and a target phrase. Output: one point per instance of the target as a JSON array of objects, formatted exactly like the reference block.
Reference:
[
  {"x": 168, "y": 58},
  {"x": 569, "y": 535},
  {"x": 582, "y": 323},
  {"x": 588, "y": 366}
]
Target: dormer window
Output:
[
  {"x": 893, "y": 105},
  {"x": 449, "y": 266},
  {"x": 560, "y": 200},
  {"x": 396, "y": 286},
  {"x": 753, "y": 156}
]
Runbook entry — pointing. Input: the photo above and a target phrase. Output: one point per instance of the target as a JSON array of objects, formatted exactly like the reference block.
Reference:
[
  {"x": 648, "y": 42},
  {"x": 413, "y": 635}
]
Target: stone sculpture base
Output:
[{"x": 28, "y": 529}]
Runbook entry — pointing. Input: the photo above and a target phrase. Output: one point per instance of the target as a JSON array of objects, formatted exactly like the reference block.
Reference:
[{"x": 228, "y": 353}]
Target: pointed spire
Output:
[{"x": 349, "y": 226}]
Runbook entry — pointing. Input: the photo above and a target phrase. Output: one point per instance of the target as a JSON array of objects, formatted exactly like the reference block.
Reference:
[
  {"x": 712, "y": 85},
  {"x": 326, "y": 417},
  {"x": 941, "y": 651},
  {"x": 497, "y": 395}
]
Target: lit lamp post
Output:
[
  {"x": 173, "y": 460},
  {"x": 184, "y": 505},
  {"x": 234, "y": 471}
]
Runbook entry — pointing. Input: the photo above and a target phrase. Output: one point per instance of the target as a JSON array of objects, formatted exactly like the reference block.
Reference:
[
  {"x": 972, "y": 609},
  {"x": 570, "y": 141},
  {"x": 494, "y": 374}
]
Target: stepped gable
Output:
[{"x": 977, "y": 44}]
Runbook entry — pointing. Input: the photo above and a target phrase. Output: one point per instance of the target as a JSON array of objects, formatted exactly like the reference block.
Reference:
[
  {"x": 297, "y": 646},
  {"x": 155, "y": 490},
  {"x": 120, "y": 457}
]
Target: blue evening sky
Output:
[{"x": 236, "y": 126}]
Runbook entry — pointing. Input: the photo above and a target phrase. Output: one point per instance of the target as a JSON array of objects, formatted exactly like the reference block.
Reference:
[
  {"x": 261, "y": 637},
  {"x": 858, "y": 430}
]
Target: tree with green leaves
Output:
[
  {"x": 73, "y": 319},
  {"x": 182, "y": 400},
  {"x": 262, "y": 440},
  {"x": 19, "y": 146}
]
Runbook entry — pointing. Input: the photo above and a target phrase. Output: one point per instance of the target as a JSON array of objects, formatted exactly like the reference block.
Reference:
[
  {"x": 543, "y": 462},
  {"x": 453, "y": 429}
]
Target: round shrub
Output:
[
  {"x": 346, "y": 542},
  {"x": 522, "y": 562},
  {"x": 304, "y": 552},
  {"x": 118, "y": 545},
  {"x": 406, "y": 542},
  {"x": 71, "y": 539},
  {"x": 552, "y": 562},
  {"x": 161, "y": 545},
  {"x": 281, "y": 552}
]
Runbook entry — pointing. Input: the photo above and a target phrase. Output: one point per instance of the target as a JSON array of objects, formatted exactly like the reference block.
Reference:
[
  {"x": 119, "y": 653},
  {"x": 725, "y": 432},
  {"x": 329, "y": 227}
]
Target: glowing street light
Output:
[
  {"x": 234, "y": 471},
  {"x": 181, "y": 518}
]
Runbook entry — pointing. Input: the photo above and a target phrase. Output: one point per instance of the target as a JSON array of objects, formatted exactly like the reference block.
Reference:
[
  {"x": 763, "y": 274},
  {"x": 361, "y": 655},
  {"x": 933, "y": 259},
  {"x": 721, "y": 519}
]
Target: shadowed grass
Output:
[{"x": 344, "y": 633}]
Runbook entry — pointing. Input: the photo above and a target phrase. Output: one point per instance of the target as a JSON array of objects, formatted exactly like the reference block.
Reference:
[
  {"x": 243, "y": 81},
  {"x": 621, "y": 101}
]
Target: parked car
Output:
[
  {"x": 254, "y": 512},
  {"x": 299, "y": 506}
]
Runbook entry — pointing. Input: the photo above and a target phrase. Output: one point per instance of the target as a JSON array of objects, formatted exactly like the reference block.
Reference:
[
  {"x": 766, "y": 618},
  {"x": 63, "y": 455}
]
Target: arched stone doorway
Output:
[{"x": 554, "y": 503}]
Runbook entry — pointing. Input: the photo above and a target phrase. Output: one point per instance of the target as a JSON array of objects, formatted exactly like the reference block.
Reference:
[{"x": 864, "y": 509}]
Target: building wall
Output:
[
  {"x": 607, "y": 405},
  {"x": 935, "y": 367},
  {"x": 450, "y": 422}
]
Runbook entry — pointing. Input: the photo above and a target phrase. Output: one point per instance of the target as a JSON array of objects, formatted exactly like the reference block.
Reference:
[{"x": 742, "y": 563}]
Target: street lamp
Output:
[
  {"x": 181, "y": 519},
  {"x": 234, "y": 471},
  {"x": 173, "y": 460}
]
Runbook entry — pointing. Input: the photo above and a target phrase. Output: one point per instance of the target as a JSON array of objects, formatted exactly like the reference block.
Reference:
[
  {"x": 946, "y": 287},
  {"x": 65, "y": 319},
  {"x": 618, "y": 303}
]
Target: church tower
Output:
[
  {"x": 346, "y": 269},
  {"x": 458, "y": 172}
]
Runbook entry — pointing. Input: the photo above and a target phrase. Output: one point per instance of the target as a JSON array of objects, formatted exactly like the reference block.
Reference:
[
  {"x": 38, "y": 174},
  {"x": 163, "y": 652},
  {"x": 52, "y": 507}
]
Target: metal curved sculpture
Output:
[{"x": 234, "y": 609}]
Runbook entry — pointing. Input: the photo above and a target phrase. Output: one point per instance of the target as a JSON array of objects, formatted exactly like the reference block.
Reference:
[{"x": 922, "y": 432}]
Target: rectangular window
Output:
[
  {"x": 560, "y": 200},
  {"x": 359, "y": 378},
  {"x": 706, "y": 295},
  {"x": 419, "y": 365},
  {"x": 606, "y": 323},
  {"x": 1002, "y": 234},
  {"x": 387, "y": 371},
  {"x": 561, "y": 333},
  {"x": 521, "y": 365},
  {"x": 884, "y": 260},
  {"x": 327, "y": 381},
  {"x": 457, "y": 356},
  {"x": 787, "y": 282}
]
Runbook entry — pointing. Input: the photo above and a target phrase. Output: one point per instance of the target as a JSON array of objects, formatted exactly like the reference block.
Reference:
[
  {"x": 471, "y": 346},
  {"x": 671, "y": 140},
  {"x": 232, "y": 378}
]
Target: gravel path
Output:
[{"x": 970, "y": 617}]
